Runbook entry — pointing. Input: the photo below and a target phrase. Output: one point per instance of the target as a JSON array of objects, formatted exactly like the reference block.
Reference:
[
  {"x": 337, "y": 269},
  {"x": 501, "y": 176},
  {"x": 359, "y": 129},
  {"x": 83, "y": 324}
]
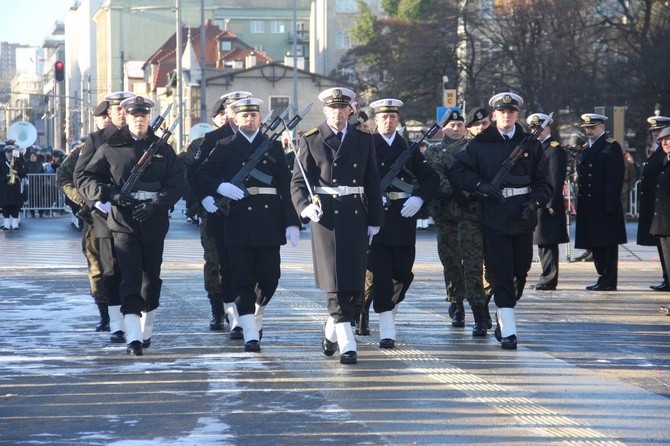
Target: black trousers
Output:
[
  {"x": 11, "y": 211},
  {"x": 391, "y": 268},
  {"x": 255, "y": 276},
  {"x": 549, "y": 262},
  {"x": 111, "y": 275},
  {"x": 606, "y": 260},
  {"x": 508, "y": 259},
  {"x": 139, "y": 261},
  {"x": 664, "y": 248},
  {"x": 663, "y": 264},
  {"x": 342, "y": 304},
  {"x": 215, "y": 224}
]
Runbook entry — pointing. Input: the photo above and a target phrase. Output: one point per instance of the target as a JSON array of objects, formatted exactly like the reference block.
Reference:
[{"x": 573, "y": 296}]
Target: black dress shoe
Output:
[
  {"x": 134, "y": 348},
  {"x": 118, "y": 337},
  {"x": 386, "y": 343},
  {"x": 236, "y": 333},
  {"x": 602, "y": 287},
  {"x": 252, "y": 346},
  {"x": 348, "y": 358},
  {"x": 328, "y": 348},
  {"x": 508, "y": 343},
  {"x": 146, "y": 343},
  {"x": 479, "y": 330},
  {"x": 544, "y": 287},
  {"x": 665, "y": 310},
  {"x": 662, "y": 287},
  {"x": 102, "y": 326},
  {"x": 591, "y": 287},
  {"x": 216, "y": 324}
]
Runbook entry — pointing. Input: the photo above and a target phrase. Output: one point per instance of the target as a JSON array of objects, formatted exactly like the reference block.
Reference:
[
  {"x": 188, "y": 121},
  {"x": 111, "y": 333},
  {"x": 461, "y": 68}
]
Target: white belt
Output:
[
  {"x": 340, "y": 190},
  {"x": 143, "y": 195},
  {"x": 398, "y": 195},
  {"x": 512, "y": 191},
  {"x": 253, "y": 190}
]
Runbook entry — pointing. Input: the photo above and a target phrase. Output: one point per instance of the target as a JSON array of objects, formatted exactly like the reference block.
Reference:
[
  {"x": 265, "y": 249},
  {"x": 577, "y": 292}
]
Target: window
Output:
[
  {"x": 226, "y": 45},
  {"x": 277, "y": 27},
  {"x": 257, "y": 26},
  {"x": 259, "y": 47},
  {"x": 279, "y": 103},
  {"x": 342, "y": 40},
  {"x": 346, "y": 6}
]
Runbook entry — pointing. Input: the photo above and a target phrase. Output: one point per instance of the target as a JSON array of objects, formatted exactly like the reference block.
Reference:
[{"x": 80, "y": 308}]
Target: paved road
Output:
[{"x": 591, "y": 369}]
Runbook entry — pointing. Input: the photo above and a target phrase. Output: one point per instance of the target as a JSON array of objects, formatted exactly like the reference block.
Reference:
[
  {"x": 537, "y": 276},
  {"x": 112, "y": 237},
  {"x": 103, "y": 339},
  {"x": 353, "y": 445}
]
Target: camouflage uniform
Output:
[
  {"x": 89, "y": 244},
  {"x": 460, "y": 241},
  {"x": 211, "y": 256}
]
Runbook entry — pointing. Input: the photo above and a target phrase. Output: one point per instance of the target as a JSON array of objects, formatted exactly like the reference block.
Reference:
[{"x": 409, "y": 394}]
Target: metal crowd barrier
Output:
[{"x": 42, "y": 194}]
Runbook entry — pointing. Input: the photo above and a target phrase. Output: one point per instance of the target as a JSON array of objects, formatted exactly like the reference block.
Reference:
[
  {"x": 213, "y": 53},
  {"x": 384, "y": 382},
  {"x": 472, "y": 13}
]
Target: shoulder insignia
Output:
[
  {"x": 554, "y": 144},
  {"x": 311, "y": 132},
  {"x": 610, "y": 140}
]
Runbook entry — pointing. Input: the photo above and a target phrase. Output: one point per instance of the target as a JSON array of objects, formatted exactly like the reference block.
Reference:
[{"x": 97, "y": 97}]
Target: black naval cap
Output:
[
  {"x": 474, "y": 115},
  {"x": 337, "y": 96},
  {"x": 101, "y": 109},
  {"x": 592, "y": 119},
  {"x": 218, "y": 107},
  {"x": 506, "y": 101},
  {"x": 138, "y": 104}
]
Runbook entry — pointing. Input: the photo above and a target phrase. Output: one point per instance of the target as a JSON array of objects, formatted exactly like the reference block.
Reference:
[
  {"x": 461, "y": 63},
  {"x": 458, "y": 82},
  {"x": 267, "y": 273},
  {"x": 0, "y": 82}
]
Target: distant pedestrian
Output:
[{"x": 660, "y": 225}]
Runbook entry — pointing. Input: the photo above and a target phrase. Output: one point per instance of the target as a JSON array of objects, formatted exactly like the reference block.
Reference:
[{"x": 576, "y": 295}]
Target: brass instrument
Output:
[
  {"x": 12, "y": 176},
  {"x": 24, "y": 135}
]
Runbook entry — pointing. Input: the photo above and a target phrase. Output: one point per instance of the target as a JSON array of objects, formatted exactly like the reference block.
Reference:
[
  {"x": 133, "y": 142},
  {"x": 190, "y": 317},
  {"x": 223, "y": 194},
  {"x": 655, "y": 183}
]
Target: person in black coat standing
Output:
[
  {"x": 551, "y": 229},
  {"x": 393, "y": 249},
  {"x": 260, "y": 218},
  {"x": 12, "y": 172},
  {"x": 341, "y": 170},
  {"x": 139, "y": 220},
  {"x": 508, "y": 215},
  {"x": 660, "y": 225},
  {"x": 647, "y": 195},
  {"x": 600, "y": 224}
]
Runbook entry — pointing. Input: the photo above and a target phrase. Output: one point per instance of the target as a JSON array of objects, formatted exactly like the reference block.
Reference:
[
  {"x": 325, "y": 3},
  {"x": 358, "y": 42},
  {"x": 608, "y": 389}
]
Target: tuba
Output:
[{"x": 24, "y": 135}]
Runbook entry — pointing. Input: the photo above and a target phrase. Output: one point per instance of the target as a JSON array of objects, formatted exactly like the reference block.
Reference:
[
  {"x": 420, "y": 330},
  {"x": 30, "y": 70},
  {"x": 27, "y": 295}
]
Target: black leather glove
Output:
[
  {"x": 123, "y": 200},
  {"x": 490, "y": 191},
  {"x": 529, "y": 210},
  {"x": 144, "y": 211},
  {"x": 85, "y": 214}
]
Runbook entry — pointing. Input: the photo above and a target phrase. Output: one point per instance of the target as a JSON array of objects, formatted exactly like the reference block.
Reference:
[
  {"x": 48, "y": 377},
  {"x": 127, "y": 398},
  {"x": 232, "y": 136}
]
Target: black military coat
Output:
[
  {"x": 552, "y": 229},
  {"x": 109, "y": 169},
  {"x": 399, "y": 230},
  {"x": 481, "y": 160},
  {"x": 339, "y": 239},
  {"x": 647, "y": 197},
  {"x": 90, "y": 146},
  {"x": 600, "y": 175},
  {"x": 255, "y": 220},
  {"x": 206, "y": 147},
  {"x": 11, "y": 195},
  {"x": 660, "y": 224}
]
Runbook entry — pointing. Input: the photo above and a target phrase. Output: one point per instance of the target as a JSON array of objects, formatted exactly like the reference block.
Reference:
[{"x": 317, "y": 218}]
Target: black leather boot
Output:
[
  {"x": 480, "y": 312},
  {"x": 103, "y": 325},
  {"x": 216, "y": 324},
  {"x": 457, "y": 314}
]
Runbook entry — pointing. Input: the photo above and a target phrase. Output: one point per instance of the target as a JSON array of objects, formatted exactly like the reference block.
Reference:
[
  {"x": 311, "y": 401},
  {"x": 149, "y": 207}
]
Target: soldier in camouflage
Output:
[{"x": 460, "y": 242}]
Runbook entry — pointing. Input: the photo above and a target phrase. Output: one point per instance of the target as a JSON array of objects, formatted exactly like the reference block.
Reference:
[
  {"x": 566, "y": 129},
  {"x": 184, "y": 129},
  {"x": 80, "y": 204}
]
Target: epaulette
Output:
[
  {"x": 311, "y": 132},
  {"x": 610, "y": 140},
  {"x": 554, "y": 144}
]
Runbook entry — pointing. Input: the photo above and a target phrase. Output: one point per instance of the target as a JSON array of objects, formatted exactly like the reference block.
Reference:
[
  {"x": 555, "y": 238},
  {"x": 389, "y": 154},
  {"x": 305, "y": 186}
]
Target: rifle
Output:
[
  {"x": 145, "y": 160},
  {"x": 518, "y": 152},
  {"x": 223, "y": 203},
  {"x": 276, "y": 121},
  {"x": 158, "y": 120},
  {"x": 399, "y": 163}
]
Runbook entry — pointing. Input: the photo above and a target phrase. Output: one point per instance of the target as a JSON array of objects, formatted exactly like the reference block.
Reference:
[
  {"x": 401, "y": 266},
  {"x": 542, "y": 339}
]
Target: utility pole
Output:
[
  {"x": 203, "y": 65},
  {"x": 180, "y": 93}
]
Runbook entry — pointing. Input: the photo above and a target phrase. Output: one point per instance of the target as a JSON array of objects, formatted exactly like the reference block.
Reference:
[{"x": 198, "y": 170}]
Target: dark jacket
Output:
[
  {"x": 647, "y": 196},
  {"x": 339, "y": 239},
  {"x": 206, "y": 147},
  {"x": 660, "y": 225},
  {"x": 109, "y": 169},
  {"x": 399, "y": 230},
  {"x": 481, "y": 160},
  {"x": 11, "y": 195},
  {"x": 552, "y": 226},
  {"x": 600, "y": 173},
  {"x": 255, "y": 220}
]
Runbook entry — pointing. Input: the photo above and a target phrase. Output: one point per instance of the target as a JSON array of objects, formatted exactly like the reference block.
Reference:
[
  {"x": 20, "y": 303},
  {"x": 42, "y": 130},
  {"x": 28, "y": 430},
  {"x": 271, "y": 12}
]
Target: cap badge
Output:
[
  {"x": 653, "y": 121},
  {"x": 337, "y": 94},
  {"x": 139, "y": 100},
  {"x": 587, "y": 118},
  {"x": 507, "y": 99},
  {"x": 536, "y": 120}
]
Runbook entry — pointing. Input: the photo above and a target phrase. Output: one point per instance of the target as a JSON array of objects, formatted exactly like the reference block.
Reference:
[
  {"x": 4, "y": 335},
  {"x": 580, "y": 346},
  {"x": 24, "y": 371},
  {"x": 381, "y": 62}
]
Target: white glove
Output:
[
  {"x": 293, "y": 234},
  {"x": 313, "y": 212},
  {"x": 384, "y": 200},
  {"x": 230, "y": 190},
  {"x": 372, "y": 231},
  {"x": 411, "y": 206},
  {"x": 105, "y": 207},
  {"x": 208, "y": 204}
]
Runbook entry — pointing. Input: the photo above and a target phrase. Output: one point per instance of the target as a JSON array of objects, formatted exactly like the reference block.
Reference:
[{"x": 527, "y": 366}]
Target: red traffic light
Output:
[{"x": 59, "y": 71}]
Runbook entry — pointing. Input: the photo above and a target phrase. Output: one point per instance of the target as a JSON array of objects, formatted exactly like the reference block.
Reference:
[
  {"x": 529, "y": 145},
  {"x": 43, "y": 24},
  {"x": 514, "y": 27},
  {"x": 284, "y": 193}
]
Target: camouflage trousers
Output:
[
  {"x": 211, "y": 267},
  {"x": 460, "y": 246},
  {"x": 90, "y": 248}
]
